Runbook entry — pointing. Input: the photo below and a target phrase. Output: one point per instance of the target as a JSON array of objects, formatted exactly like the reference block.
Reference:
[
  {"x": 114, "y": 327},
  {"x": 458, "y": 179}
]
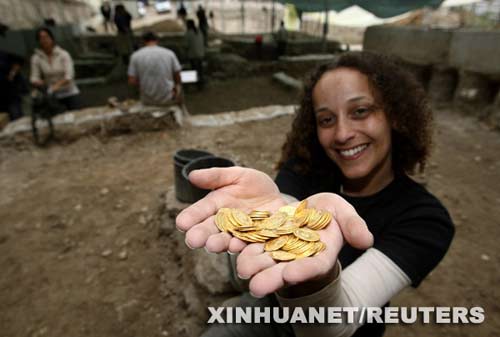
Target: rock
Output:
[
  {"x": 288, "y": 81},
  {"x": 129, "y": 311},
  {"x": 106, "y": 253},
  {"x": 4, "y": 119},
  {"x": 485, "y": 257},
  {"x": 442, "y": 84},
  {"x": 3, "y": 238},
  {"x": 123, "y": 255},
  {"x": 212, "y": 272},
  {"x": 142, "y": 220},
  {"x": 78, "y": 207},
  {"x": 477, "y": 159},
  {"x": 227, "y": 64},
  {"x": 104, "y": 191},
  {"x": 19, "y": 227},
  {"x": 473, "y": 93},
  {"x": 144, "y": 209},
  {"x": 173, "y": 206},
  {"x": 193, "y": 302}
]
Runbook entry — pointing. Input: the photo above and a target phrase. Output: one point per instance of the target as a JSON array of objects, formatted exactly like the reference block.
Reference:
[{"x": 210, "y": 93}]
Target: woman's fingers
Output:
[
  {"x": 218, "y": 243},
  {"x": 198, "y": 212},
  {"x": 236, "y": 245},
  {"x": 252, "y": 260},
  {"x": 197, "y": 236},
  {"x": 316, "y": 266},
  {"x": 356, "y": 232},
  {"x": 212, "y": 178},
  {"x": 267, "y": 281},
  {"x": 354, "y": 228},
  {"x": 216, "y": 177}
]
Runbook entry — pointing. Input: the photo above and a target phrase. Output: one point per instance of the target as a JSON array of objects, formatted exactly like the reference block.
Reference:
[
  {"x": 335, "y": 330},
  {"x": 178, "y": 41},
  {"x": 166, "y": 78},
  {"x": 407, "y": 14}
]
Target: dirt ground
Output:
[{"x": 80, "y": 252}]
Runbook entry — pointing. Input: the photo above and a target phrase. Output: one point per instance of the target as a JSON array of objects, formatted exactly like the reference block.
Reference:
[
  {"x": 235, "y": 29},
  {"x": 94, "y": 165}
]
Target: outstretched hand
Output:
[
  {"x": 233, "y": 187},
  {"x": 248, "y": 189},
  {"x": 268, "y": 276}
]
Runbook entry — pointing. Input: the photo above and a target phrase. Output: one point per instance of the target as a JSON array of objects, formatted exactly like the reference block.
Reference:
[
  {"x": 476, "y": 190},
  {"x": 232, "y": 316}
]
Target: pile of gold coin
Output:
[{"x": 288, "y": 234}]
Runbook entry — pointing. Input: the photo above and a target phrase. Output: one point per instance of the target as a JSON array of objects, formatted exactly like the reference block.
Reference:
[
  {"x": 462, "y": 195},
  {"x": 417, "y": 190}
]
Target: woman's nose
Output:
[{"x": 343, "y": 131}]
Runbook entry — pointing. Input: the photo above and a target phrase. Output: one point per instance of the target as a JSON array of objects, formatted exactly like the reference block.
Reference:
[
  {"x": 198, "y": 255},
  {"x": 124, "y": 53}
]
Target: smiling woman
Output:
[
  {"x": 344, "y": 103},
  {"x": 362, "y": 126}
]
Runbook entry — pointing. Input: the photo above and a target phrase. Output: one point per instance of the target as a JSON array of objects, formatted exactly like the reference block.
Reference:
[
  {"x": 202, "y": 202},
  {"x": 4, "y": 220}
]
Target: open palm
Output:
[
  {"x": 249, "y": 189},
  {"x": 268, "y": 275},
  {"x": 233, "y": 187}
]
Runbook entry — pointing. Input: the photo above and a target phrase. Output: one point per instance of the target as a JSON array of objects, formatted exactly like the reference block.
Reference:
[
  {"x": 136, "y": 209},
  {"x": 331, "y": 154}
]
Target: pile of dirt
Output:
[{"x": 82, "y": 255}]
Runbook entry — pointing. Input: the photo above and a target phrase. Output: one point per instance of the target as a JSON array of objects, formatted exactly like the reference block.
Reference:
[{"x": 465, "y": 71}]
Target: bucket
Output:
[
  {"x": 181, "y": 158},
  {"x": 195, "y": 193}
]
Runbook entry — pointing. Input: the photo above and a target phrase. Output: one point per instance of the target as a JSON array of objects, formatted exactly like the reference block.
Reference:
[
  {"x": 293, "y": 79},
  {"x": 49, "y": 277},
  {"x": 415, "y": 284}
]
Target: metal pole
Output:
[
  {"x": 242, "y": 16},
  {"x": 273, "y": 17},
  {"x": 325, "y": 25}
]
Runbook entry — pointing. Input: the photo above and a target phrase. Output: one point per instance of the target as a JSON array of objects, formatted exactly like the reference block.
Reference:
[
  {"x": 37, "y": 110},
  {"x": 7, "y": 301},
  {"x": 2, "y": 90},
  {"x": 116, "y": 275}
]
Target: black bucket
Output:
[
  {"x": 181, "y": 158},
  {"x": 196, "y": 193}
]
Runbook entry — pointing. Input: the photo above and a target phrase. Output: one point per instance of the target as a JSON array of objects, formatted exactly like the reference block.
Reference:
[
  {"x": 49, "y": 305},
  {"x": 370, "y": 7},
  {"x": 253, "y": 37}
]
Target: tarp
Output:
[
  {"x": 380, "y": 8},
  {"x": 353, "y": 16}
]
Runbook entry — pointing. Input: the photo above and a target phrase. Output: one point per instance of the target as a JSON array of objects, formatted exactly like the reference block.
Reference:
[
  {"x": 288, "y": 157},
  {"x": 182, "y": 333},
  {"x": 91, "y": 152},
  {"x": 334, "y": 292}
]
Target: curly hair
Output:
[{"x": 401, "y": 97}]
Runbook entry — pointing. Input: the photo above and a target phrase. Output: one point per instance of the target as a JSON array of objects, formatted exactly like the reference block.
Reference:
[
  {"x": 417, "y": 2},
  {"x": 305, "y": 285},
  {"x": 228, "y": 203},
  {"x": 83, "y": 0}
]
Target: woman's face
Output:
[
  {"x": 46, "y": 42},
  {"x": 352, "y": 128}
]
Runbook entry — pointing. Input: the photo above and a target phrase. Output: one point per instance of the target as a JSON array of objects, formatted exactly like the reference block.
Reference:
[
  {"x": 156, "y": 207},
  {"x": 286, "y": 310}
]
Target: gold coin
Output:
[
  {"x": 274, "y": 221},
  {"x": 304, "y": 246},
  {"x": 291, "y": 242},
  {"x": 287, "y": 228},
  {"x": 247, "y": 228},
  {"x": 282, "y": 256},
  {"x": 288, "y": 209},
  {"x": 220, "y": 219},
  {"x": 241, "y": 218},
  {"x": 320, "y": 246},
  {"x": 275, "y": 244},
  {"x": 306, "y": 234},
  {"x": 268, "y": 233},
  {"x": 301, "y": 207},
  {"x": 301, "y": 219},
  {"x": 307, "y": 253},
  {"x": 298, "y": 245}
]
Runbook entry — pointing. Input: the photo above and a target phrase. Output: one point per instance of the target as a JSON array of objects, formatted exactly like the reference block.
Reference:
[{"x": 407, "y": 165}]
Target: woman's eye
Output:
[
  {"x": 360, "y": 112},
  {"x": 326, "y": 121}
]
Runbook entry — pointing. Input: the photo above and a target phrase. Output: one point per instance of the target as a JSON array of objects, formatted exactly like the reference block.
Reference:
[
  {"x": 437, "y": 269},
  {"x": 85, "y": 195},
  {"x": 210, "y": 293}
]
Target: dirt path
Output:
[{"x": 79, "y": 247}]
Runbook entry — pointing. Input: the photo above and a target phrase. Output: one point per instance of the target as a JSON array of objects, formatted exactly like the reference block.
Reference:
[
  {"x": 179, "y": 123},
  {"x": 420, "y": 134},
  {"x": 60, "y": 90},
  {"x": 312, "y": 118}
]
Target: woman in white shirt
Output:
[{"x": 52, "y": 68}]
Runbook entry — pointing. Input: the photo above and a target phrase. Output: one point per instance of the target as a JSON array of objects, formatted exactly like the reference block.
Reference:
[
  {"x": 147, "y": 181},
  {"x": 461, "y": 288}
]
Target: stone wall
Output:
[{"x": 457, "y": 66}]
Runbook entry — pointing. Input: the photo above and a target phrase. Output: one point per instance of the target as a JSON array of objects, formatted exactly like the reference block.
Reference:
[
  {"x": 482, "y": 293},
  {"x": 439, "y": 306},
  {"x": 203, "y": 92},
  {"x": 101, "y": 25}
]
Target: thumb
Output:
[
  {"x": 216, "y": 177},
  {"x": 356, "y": 232}
]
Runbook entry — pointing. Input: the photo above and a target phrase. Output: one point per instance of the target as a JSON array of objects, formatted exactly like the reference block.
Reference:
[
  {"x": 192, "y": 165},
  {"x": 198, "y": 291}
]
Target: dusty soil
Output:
[
  {"x": 80, "y": 252},
  {"x": 213, "y": 98}
]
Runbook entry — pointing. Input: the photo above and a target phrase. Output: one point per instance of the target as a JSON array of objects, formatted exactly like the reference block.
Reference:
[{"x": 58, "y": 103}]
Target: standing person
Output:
[
  {"x": 12, "y": 85},
  {"x": 156, "y": 70},
  {"x": 106, "y": 14},
  {"x": 195, "y": 50},
  {"x": 362, "y": 126},
  {"x": 125, "y": 43},
  {"x": 212, "y": 19},
  {"x": 203, "y": 23},
  {"x": 282, "y": 39},
  {"x": 52, "y": 68},
  {"x": 182, "y": 12}
]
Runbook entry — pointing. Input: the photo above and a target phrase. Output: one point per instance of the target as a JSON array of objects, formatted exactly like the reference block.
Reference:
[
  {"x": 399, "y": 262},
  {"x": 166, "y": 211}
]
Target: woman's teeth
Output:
[{"x": 353, "y": 151}]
